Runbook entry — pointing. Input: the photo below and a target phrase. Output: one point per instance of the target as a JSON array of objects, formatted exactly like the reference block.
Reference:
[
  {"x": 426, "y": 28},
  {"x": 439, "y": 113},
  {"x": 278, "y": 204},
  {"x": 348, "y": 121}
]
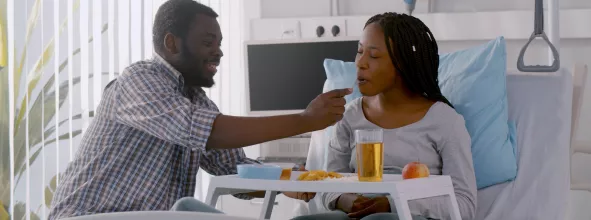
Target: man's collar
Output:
[
  {"x": 175, "y": 74},
  {"x": 172, "y": 72}
]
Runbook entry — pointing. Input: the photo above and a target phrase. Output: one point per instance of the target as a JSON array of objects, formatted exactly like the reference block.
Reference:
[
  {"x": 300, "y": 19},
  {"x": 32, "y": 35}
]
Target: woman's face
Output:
[{"x": 375, "y": 71}]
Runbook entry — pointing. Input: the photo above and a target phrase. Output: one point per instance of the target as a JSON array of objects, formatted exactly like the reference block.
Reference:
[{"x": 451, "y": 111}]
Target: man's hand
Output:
[
  {"x": 326, "y": 109},
  {"x": 362, "y": 208}
]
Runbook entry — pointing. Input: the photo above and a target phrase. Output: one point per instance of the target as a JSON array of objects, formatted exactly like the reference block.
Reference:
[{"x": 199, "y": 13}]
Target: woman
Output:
[{"x": 397, "y": 64}]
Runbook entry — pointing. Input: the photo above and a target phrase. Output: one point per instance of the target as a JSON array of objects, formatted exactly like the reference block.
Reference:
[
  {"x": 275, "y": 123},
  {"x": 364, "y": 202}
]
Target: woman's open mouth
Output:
[{"x": 361, "y": 81}]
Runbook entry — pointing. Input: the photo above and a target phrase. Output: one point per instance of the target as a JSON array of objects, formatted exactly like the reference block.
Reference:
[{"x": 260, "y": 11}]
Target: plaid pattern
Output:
[{"x": 144, "y": 147}]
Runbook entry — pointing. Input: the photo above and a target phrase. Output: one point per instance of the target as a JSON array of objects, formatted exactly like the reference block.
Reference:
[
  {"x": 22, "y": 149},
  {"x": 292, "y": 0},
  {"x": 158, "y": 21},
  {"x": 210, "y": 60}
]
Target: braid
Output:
[{"x": 414, "y": 53}]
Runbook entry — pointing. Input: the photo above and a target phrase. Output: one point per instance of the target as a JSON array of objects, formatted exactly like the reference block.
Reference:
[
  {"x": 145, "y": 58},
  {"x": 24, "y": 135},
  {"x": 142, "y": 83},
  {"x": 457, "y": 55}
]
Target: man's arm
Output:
[
  {"x": 233, "y": 132},
  {"x": 146, "y": 102}
]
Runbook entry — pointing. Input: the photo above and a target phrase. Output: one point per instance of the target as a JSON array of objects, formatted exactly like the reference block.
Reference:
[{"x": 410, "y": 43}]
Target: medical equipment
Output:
[
  {"x": 410, "y": 6},
  {"x": 538, "y": 32}
]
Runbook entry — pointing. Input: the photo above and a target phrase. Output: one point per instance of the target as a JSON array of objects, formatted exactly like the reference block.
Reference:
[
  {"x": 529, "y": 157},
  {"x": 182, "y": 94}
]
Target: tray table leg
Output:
[
  {"x": 268, "y": 204},
  {"x": 402, "y": 208},
  {"x": 212, "y": 196}
]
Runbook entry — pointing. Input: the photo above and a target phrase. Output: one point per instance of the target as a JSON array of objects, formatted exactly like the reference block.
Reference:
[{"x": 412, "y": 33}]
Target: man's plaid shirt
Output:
[{"x": 144, "y": 146}]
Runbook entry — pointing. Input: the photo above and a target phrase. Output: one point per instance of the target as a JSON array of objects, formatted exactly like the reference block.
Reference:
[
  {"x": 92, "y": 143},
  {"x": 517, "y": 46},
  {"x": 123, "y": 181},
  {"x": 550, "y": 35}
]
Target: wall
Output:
[
  {"x": 572, "y": 50},
  {"x": 318, "y": 8}
]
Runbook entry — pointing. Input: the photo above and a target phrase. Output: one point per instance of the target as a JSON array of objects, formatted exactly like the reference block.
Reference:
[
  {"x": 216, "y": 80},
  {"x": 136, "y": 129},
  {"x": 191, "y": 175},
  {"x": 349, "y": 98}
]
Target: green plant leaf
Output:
[
  {"x": 34, "y": 156},
  {"x": 35, "y": 122},
  {"x": 35, "y": 135},
  {"x": 65, "y": 136},
  {"x": 4, "y": 122},
  {"x": 50, "y": 190},
  {"x": 20, "y": 130},
  {"x": 3, "y": 35},
  {"x": 36, "y": 77},
  {"x": 50, "y": 130},
  {"x": 31, "y": 23},
  {"x": 19, "y": 67},
  {"x": 3, "y": 211}
]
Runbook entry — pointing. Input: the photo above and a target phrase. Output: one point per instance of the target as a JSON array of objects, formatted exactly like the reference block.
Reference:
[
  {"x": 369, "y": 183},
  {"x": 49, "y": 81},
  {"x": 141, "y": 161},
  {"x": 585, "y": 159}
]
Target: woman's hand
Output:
[{"x": 362, "y": 208}]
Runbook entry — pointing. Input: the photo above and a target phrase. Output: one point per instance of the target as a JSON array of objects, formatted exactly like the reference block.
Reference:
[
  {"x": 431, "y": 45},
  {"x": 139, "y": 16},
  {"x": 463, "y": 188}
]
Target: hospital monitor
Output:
[{"x": 283, "y": 76}]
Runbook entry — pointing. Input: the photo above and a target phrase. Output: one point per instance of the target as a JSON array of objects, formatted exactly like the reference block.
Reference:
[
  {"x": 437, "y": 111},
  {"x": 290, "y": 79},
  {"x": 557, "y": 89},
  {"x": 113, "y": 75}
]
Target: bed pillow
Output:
[
  {"x": 340, "y": 75},
  {"x": 474, "y": 81}
]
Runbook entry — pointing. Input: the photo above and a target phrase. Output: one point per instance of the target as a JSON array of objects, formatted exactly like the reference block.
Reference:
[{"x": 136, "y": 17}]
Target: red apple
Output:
[{"x": 415, "y": 170}]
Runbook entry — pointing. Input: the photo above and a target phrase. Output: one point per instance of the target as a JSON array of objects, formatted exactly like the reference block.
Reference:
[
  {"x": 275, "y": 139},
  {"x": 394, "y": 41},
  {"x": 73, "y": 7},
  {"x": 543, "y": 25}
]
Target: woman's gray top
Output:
[{"x": 439, "y": 140}]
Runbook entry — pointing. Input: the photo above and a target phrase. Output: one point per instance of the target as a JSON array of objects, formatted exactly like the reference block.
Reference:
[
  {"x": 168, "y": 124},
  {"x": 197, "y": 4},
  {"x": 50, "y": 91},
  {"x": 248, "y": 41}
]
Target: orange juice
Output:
[
  {"x": 285, "y": 174},
  {"x": 370, "y": 162}
]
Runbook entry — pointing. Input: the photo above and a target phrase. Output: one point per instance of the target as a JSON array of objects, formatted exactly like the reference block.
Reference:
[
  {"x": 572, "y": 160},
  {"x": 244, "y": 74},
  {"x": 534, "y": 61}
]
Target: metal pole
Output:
[{"x": 553, "y": 27}]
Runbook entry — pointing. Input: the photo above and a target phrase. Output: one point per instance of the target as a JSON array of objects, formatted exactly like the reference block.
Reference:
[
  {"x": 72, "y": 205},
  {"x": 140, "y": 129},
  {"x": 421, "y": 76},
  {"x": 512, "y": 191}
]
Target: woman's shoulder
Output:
[
  {"x": 445, "y": 116},
  {"x": 353, "y": 108}
]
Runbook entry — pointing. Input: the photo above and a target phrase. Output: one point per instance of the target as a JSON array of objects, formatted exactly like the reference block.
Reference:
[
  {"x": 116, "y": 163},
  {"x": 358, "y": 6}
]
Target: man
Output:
[{"x": 155, "y": 127}]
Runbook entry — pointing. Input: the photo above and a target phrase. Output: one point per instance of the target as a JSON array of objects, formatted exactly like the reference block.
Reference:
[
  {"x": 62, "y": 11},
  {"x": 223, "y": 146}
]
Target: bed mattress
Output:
[{"x": 540, "y": 105}]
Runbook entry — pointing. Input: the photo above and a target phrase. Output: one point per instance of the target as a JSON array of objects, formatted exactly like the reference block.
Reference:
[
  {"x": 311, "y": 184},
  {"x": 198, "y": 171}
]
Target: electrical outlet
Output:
[
  {"x": 290, "y": 29},
  {"x": 332, "y": 27}
]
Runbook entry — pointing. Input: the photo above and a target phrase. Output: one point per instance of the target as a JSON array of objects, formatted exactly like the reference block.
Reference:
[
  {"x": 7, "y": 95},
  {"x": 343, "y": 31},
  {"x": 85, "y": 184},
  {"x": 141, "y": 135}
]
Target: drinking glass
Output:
[{"x": 370, "y": 155}]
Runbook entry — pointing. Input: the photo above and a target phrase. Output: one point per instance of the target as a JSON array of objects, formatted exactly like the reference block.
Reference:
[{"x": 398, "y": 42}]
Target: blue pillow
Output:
[
  {"x": 474, "y": 81},
  {"x": 340, "y": 75}
]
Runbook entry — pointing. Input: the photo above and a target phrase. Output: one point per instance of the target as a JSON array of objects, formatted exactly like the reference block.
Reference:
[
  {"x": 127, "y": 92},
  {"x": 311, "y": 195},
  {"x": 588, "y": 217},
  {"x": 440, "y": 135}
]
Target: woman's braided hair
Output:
[{"x": 414, "y": 53}]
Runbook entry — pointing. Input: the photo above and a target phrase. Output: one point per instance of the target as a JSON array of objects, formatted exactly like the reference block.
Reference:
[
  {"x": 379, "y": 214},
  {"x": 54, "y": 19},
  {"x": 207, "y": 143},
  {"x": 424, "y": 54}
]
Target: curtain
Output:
[{"x": 56, "y": 57}]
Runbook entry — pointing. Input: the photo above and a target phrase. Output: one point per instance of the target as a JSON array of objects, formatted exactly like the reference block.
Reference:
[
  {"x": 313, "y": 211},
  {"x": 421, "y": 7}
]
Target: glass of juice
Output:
[{"x": 369, "y": 147}]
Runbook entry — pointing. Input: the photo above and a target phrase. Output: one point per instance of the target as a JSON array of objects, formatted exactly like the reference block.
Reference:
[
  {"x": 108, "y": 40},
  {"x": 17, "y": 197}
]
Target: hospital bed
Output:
[{"x": 546, "y": 107}]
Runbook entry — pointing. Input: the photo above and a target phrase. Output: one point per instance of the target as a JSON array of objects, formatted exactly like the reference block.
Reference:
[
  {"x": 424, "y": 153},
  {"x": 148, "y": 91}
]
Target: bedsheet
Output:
[{"x": 540, "y": 105}]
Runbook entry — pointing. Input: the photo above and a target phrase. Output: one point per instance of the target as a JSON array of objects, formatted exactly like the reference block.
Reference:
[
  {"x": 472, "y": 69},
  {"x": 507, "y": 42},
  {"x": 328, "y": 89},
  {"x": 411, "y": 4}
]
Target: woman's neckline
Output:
[{"x": 420, "y": 121}]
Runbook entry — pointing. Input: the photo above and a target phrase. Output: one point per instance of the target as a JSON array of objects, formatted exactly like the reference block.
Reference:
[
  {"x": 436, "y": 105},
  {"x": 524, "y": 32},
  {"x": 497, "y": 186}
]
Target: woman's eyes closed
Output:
[{"x": 370, "y": 55}]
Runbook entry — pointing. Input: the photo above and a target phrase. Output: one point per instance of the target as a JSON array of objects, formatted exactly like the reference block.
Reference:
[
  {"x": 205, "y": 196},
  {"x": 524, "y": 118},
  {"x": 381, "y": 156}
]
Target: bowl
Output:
[{"x": 259, "y": 171}]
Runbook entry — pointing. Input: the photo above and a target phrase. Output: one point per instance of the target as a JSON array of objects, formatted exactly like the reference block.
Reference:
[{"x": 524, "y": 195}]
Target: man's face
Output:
[{"x": 200, "y": 52}]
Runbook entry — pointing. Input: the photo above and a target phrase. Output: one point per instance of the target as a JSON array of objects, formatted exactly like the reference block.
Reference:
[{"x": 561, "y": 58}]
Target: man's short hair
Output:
[{"x": 175, "y": 16}]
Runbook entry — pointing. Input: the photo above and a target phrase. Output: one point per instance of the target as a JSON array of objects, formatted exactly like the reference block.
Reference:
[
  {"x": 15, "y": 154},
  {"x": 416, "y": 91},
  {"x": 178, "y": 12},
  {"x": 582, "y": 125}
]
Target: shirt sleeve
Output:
[
  {"x": 224, "y": 162},
  {"x": 338, "y": 159},
  {"x": 456, "y": 156},
  {"x": 149, "y": 102}
]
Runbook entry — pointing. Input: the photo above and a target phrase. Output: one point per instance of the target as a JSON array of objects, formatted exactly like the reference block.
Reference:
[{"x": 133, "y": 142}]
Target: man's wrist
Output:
[{"x": 305, "y": 122}]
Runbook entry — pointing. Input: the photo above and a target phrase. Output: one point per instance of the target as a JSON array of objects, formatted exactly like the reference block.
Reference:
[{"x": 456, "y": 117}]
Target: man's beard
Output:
[{"x": 193, "y": 74}]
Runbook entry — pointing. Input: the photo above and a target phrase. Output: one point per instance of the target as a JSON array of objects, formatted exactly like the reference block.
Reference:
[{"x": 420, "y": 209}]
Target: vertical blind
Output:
[{"x": 56, "y": 57}]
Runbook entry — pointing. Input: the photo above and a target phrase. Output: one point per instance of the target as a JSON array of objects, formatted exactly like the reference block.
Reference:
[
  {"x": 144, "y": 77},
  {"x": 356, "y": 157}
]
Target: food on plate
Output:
[
  {"x": 317, "y": 175},
  {"x": 415, "y": 170},
  {"x": 285, "y": 174}
]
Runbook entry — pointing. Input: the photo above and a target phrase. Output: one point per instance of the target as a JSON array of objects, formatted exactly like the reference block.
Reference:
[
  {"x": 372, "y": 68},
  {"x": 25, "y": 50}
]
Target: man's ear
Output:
[{"x": 171, "y": 43}]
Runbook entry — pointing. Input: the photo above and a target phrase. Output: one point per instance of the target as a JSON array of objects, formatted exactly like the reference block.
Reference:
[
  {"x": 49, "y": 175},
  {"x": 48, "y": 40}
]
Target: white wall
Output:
[
  {"x": 572, "y": 50},
  {"x": 318, "y": 8}
]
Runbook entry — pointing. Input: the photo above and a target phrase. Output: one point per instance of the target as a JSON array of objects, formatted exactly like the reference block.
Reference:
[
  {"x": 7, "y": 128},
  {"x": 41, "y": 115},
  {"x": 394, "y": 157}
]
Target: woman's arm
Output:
[
  {"x": 338, "y": 159},
  {"x": 456, "y": 156}
]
